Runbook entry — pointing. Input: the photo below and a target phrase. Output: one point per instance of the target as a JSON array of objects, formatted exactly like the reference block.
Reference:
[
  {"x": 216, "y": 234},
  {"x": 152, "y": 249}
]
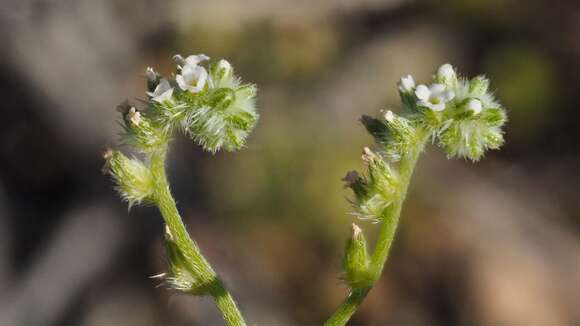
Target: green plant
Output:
[
  {"x": 216, "y": 110},
  {"x": 459, "y": 115}
]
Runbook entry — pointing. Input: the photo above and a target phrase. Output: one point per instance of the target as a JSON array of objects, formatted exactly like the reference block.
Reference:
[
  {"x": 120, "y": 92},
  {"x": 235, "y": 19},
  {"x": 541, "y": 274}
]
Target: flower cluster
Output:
[
  {"x": 211, "y": 105},
  {"x": 458, "y": 114},
  {"x": 463, "y": 115},
  {"x": 207, "y": 103},
  {"x": 132, "y": 177}
]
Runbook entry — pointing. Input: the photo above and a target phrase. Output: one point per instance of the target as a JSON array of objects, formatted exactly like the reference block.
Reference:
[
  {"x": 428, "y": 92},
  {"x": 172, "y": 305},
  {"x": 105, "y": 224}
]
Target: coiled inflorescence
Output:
[
  {"x": 460, "y": 115},
  {"x": 215, "y": 109},
  {"x": 212, "y": 106}
]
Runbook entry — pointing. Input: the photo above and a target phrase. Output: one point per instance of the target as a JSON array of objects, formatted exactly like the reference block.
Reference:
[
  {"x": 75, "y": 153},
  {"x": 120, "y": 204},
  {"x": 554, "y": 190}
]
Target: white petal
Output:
[
  {"x": 166, "y": 96},
  {"x": 192, "y": 78},
  {"x": 447, "y": 96},
  {"x": 474, "y": 105},
  {"x": 181, "y": 82},
  {"x": 437, "y": 88},
  {"x": 426, "y": 104},
  {"x": 202, "y": 78},
  {"x": 188, "y": 72},
  {"x": 422, "y": 92},
  {"x": 194, "y": 60},
  {"x": 437, "y": 107},
  {"x": 161, "y": 88}
]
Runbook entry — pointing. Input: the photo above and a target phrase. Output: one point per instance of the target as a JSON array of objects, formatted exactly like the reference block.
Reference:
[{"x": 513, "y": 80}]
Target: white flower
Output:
[
  {"x": 163, "y": 92},
  {"x": 433, "y": 97},
  {"x": 474, "y": 105},
  {"x": 407, "y": 84},
  {"x": 446, "y": 74},
  {"x": 192, "y": 77}
]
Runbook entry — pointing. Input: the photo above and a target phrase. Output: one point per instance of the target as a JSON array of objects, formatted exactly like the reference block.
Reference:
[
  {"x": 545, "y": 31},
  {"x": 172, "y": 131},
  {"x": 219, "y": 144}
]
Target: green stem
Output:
[
  {"x": 388, "y": 227},
  {"x": 194, "y": 260}
]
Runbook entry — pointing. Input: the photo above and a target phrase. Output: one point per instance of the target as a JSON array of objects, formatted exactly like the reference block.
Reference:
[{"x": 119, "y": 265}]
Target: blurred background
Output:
[{"x": 492, "y": 243}]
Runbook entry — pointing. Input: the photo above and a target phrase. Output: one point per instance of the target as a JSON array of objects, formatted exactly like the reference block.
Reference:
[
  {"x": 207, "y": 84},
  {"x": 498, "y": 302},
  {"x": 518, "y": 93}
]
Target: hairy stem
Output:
[
  {"x": 388, "y": 227},
  {"x": 195, "y": 262}
]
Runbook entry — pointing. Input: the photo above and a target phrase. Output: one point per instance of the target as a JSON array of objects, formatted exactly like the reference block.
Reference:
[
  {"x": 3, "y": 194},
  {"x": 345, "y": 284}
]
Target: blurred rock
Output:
[{"x": 82, "y": 249}]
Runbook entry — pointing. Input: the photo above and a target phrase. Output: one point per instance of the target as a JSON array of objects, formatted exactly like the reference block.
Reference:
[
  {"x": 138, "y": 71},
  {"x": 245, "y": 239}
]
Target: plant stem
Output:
[
  {"x": 388, "y": 227},
  {"x": 194, "y": 260}
]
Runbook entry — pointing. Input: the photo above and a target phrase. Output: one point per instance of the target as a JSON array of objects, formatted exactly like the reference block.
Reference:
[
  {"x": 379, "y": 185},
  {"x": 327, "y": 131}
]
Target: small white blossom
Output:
[
  {"x": 163, "y": 92},
  {"x": 474, "y": 105},
  {"x": 407, "y": 84},
  {"x": 192, "y": 77},
  {"x": 446, "y": 73},
  {"x": 434, "y": 97}
]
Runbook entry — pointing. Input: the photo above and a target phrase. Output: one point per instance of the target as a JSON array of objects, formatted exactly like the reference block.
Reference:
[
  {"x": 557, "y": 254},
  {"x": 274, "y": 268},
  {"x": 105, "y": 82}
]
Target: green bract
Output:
[
  {"x": 376, "y": 190},
  {"x": 133, "y": 177}
]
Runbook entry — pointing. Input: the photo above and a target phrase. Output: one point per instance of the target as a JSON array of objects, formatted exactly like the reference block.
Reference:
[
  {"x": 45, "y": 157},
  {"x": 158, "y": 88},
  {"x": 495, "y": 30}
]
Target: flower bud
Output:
[
  {"x": 222, "y": 98},
  {"x": 406, "y": 91},
  {"x": 152, "y": 79},
  {"x": 402, "y": 136},
  {"x": 375, "y": 191},
  {"x": 356, "y": 260},
  {"x": 478, "y": 86},
  {"x": 471, "y": 138},
  {"x": 140, "y": 132},
  {"x": 407, "y": 84},
  {"x": 227, "y": 120},
  {"x": 133, "y": 179},
  {"x": 133, "y": 116},
  {"x": 446, "y": 75},
  {"x": 494, "y": 117},
  {"x": 474, "y": 105}
]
